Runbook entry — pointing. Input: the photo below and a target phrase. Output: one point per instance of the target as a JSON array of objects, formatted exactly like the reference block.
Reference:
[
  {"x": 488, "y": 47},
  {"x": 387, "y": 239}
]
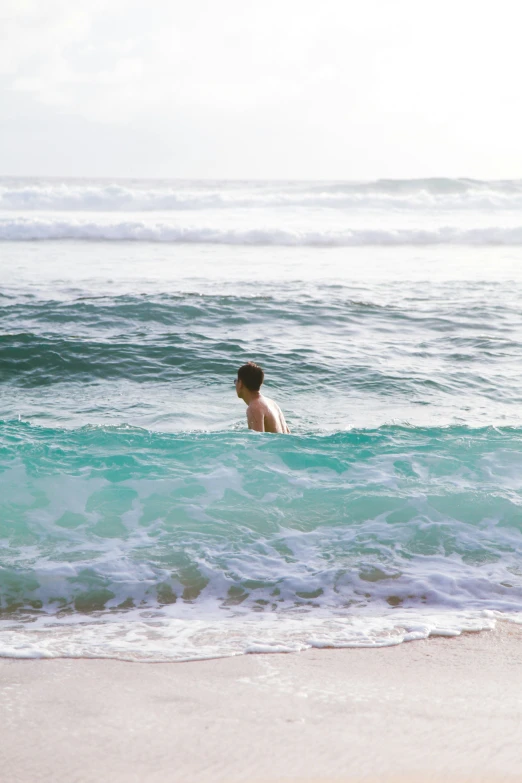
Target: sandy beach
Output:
[
  {"x": 260, "y": 392},
  {"x": 435, "y": 710}
]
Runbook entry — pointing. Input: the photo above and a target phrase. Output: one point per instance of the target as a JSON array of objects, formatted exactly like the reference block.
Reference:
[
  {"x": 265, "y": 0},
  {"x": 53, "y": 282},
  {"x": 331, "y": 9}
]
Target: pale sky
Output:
[{"x": 261, "y": 89}]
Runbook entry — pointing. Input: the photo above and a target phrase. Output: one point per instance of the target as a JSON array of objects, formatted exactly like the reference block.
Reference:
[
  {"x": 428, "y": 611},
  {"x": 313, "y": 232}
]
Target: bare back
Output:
[{"x": 265, "y": 415}]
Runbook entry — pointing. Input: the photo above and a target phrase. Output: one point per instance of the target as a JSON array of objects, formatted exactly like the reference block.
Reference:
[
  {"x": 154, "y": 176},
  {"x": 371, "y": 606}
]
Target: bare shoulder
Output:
[
  {"x": 256, "y": 416},
  {"x": 265, "y": 415},
  {"x": 271, "y": 405},
  {"x": 274, "y": 417},
  {"x": 257, "y": 404}
]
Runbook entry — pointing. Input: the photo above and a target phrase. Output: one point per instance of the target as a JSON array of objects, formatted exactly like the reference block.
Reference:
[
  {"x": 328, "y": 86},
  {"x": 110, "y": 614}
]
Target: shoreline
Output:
[{"x": 440, "y": 709}]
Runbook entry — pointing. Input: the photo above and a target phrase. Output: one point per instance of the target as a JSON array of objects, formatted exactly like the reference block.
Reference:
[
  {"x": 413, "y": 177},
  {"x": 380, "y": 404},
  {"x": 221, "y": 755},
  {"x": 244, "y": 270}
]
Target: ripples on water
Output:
[
  {"x": 132, "y": 496},
  {"x": 456, "y": 348}
]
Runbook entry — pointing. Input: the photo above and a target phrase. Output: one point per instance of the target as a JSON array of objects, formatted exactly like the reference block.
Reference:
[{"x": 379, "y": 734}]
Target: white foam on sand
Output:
[
  {"x": 438, "y": 710},
  {"x": 150, "y": 636}
]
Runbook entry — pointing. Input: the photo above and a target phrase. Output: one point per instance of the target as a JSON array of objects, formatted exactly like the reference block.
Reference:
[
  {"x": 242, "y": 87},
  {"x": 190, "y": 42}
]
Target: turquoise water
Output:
[
  {"x": 140, "y": 519},
  {"x": 101, "y": 518}
]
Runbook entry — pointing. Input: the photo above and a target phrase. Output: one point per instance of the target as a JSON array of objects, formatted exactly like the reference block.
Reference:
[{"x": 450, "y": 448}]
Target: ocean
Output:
[{"x": 141, "y": 520}]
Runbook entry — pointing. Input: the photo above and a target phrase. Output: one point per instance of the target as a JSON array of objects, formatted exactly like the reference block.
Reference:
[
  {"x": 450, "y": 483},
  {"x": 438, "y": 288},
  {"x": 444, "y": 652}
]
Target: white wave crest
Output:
[
  {"x": 447, "y": 195},
  {"x": 23, "y": 229}
]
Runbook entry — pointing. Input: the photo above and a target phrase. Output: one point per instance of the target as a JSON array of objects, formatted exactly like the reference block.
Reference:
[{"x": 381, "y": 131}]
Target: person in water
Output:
[{"x": 263, "y": 415}]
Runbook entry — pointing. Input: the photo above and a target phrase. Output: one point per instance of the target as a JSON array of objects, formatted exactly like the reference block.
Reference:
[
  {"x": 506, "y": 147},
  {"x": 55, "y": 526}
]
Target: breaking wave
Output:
[
  {"x": 23, "y": 229},
  {"x": 142, "y": 196},
  {"x": 118, "y": 517}
]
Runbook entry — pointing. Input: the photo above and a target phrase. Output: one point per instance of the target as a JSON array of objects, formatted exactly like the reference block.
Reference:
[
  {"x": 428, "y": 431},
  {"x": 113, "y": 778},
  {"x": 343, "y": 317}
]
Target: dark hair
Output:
[{"x": 252, "y": 376}]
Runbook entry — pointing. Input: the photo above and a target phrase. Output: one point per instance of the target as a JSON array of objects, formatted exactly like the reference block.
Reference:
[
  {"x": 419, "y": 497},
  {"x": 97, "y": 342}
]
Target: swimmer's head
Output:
[{"x": 250, "y": 377}]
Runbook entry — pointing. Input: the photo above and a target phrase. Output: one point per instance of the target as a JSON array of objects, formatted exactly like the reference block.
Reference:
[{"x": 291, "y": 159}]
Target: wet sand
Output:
[{"x": 436, "y": 710}]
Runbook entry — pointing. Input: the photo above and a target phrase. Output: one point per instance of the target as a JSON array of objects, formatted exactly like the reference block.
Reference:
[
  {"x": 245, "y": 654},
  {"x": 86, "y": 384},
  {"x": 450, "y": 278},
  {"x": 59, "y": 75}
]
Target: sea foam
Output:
[
  {"x": 29, "y": 229},
  {"x": 134, "y": 195}
]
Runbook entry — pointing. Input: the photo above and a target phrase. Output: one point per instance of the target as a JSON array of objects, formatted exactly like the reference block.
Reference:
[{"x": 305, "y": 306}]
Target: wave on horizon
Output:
[
  {"x": 170, "y": 195},
  {"x": 27, "y": 229}
]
